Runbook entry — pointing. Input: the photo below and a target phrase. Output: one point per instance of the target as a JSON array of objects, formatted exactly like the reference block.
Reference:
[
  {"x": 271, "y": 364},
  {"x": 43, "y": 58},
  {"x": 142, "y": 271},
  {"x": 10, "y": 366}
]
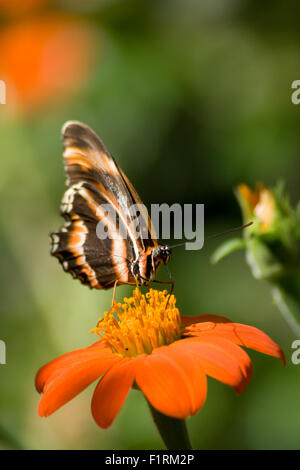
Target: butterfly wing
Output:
[
  {"x": 94, "y": 179},
  {"x": 148, "y": 235}
]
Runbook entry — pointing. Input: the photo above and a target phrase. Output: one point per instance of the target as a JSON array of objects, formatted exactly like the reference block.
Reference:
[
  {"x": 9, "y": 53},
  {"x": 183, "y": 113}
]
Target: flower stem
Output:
[
  {"x": 287, "y": 298},
  {"x": 173, "y": 431}
]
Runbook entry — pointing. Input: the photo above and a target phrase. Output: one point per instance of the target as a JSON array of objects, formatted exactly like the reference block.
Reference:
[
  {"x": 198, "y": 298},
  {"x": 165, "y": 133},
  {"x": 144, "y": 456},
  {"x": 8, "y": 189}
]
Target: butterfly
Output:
[{"x": 94, "y": 180}]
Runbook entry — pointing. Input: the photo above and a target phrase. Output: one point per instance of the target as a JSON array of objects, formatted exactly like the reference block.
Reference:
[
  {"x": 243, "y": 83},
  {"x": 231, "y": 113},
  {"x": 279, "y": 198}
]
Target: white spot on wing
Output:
[
  {"x": 68, "y": 197},
  {"x": 55, "y": 242}
]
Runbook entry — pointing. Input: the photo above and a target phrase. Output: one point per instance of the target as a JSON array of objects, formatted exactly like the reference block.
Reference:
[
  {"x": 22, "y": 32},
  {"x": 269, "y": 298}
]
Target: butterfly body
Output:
[
  {"x": 148, "y": 263},
  {"x": 94, "y": 180}
]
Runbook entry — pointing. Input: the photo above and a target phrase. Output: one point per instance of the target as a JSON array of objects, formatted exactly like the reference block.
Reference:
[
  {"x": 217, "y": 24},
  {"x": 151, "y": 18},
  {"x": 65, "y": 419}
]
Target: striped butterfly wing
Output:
[
  {"x": 94, "y": 179},
  {"x": 148, "y": 234}
]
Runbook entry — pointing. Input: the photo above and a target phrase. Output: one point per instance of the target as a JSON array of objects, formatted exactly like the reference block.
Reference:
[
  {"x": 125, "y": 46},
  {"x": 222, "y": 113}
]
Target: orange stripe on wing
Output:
[
  {"x": 124, "y": 215},
  {"x": 91, "y": 159},
  {"x": 74, "y": 156},
  {"x": 144, "y": 213},
  {"x": 76, "y": 246},
  {"x": 119, "y": 249}
]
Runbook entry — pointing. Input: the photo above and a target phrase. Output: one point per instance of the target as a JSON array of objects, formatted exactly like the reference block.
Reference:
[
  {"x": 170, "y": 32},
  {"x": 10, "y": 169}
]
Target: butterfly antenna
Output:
[
  {"x": 236, "y": 229},
  {"x": 241, "y": 227}
]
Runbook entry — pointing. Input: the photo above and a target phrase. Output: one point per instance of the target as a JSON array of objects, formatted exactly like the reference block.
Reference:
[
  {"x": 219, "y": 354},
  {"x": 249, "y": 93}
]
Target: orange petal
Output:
[
  {"x": 249, "y": 196},
  {"x": 68, "y": 381},
  {"x": 49, "y": 369},
  {"x": 172, "y": 381},
  {"x": 113, "y": 389},
  {"x": 186, "y": 321},
  {"x": 220, "y": 359},
  {"x": 244, "y": 335}
]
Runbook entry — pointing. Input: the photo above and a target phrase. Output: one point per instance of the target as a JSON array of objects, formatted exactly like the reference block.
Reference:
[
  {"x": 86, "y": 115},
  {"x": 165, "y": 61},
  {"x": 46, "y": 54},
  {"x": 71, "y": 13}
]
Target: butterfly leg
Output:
[
  {"x": 114, "y": 293},
  {"x": 170, "y": 283}
]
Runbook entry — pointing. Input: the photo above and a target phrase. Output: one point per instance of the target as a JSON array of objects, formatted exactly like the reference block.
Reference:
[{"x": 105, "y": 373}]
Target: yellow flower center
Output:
[{"x": 141, "y": 324}]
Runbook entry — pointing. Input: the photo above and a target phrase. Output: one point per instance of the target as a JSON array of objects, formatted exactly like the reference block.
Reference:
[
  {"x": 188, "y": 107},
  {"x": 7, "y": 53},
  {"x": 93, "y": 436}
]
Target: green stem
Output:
[
  {"x": 173, "y": 431},
  {"x": 287, "y": 298}
]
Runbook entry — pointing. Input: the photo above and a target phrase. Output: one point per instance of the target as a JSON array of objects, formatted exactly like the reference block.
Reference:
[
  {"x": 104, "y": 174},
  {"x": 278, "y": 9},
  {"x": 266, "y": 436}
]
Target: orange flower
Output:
[
  {"x": 44, "y": 58},
  {"x": 259, "y": 203},
  {"x": 147, "y": 344},
  {"x": 15, "y": 7}
]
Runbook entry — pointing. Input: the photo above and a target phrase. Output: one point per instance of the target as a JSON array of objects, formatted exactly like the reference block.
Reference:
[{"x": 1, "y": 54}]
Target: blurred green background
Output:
[{"x": 191, "y": 98}]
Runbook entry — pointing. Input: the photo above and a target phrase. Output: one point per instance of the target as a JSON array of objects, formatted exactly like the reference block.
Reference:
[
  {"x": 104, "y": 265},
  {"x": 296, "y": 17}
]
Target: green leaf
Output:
[{"x": 226, "y": 248}]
